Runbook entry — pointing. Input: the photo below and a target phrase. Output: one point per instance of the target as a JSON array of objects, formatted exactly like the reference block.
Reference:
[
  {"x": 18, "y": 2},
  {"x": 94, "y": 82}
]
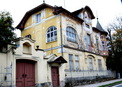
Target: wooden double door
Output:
[
  {"x": 55, "y": 76},
  {"x": 25, "y": 73}
]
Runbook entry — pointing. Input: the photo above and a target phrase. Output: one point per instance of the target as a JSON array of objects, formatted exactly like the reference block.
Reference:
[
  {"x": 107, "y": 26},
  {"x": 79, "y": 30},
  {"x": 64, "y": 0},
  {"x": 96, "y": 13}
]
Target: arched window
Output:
[
  {"x": 71, "y": 34},
  {"x": 51, "y": 34},
  {"x": 91, "y": 61}
]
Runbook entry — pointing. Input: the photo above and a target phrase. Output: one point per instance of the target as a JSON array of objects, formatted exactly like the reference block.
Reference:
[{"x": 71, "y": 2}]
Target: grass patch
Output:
[{"x": 111, "y": 84}]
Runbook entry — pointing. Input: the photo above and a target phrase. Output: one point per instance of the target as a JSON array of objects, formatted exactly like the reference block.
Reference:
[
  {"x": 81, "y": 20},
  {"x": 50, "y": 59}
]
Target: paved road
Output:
[
  {"x": 102, "y": 83},
  {"x": 120, "y": 85}
]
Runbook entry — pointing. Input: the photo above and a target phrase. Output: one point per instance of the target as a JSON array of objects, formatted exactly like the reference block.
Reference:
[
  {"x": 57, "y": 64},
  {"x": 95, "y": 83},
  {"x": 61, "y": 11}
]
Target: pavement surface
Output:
[
  {"x": 119, "y": 85},
  {"x": 102, "y": 83}
]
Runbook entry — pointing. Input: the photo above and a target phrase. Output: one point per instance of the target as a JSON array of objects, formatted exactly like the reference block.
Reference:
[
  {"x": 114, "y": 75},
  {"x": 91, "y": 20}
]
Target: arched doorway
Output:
[{"x": 25, "y": 73}]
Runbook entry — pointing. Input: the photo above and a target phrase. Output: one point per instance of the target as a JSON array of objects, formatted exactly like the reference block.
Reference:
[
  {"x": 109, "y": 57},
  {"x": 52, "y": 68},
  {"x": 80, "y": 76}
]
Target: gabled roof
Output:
[
  {"x": 30, "y": 12},
  {"x": 56, "y": 10},
  {"x": 58, "y": 59},
  {"x": 87, "y": 8},
  {"x": 99, "y": 28},
  {"x": 53, "y": 58}
]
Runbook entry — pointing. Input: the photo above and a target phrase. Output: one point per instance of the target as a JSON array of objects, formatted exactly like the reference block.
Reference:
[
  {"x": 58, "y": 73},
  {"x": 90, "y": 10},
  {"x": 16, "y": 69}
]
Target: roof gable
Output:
[
  {"x": 30, "y": 12},
  {"x": 56, "y": 10},
  {"x": 86, "y": 8}
]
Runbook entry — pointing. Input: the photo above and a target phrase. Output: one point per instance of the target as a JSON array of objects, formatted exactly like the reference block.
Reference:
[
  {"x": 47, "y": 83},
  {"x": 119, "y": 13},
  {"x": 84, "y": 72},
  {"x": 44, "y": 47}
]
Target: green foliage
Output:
[
  {"x": 114, "y": 60},
  {"x": 7, "y": 35}
]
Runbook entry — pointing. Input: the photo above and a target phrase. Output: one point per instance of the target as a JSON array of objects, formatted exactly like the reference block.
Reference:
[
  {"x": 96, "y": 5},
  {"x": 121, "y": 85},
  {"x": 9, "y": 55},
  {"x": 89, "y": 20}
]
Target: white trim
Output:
[{"x": 43, "y": 20}]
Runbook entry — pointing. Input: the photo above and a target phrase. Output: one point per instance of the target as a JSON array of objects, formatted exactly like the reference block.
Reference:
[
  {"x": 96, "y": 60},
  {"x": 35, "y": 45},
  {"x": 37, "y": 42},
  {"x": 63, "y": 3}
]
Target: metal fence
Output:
[
  {"x": 6, "y": 76},
  {"x": 82, "y": 77},
  {"x": 87, "y": 74}
]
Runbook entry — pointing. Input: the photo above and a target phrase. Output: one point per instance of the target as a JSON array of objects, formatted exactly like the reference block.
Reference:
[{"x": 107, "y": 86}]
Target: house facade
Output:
[
  {"x": 72, "y": 48},
  {"x": 19, "y": 64}
]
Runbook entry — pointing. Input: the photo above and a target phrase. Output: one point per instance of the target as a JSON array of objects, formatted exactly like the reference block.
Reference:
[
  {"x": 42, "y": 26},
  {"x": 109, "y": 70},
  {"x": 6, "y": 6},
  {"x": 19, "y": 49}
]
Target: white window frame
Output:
[
  {"x": 71, "y": 66},
  {"x": 38, "y": 17},
  {"x": 77, "y": 62},
  {"x": 100, "y": 65},
  {"x": 90, "y": 63},
  {"x": 71, "y": 34},
  {"x": 51, "y": 34}
]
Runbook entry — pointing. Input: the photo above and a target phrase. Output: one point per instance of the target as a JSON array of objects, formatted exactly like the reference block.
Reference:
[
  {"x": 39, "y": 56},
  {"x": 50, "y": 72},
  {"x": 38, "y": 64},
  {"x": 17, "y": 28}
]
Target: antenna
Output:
[
  {"x": 96, "y": 14},
  {"x": 64, "y": 4}
]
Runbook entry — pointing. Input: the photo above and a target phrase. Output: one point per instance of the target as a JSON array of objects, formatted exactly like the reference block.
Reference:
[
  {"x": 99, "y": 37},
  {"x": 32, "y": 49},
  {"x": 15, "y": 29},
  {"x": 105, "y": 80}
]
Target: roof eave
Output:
[{"x": 30, "y": 12}]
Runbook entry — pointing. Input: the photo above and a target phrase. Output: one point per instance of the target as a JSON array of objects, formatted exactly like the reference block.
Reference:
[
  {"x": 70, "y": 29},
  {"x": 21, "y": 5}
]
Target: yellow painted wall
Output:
[{"x": 38, "y": 30}]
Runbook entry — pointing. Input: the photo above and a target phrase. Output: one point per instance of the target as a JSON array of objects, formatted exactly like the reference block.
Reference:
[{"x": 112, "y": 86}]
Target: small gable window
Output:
[
  {"x": 71, "y": 34},
  {"x": 51, "y": 34},
  {"x": 38, "y": 17}
]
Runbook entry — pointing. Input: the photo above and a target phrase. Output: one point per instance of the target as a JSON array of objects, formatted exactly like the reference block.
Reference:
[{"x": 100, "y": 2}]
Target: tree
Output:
[
  {"x": 114, "y": 60},
  {"x": 7, "y": 35}
]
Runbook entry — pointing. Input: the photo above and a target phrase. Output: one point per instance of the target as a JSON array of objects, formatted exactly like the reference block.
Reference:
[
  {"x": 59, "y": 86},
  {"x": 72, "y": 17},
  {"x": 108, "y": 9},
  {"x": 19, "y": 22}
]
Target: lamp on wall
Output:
[{"x": 37, "y": 47}]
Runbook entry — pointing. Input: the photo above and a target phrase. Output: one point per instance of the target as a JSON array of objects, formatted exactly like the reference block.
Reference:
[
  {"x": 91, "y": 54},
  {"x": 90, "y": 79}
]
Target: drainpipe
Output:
[{"x": 61, "y": 36}]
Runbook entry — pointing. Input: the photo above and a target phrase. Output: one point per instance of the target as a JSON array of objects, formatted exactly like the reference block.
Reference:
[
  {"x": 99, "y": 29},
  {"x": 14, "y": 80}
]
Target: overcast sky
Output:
[{"x": 105, "y": 10}]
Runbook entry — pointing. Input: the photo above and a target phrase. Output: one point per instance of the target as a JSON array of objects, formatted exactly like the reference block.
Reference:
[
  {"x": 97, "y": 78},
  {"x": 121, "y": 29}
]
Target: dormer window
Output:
[{"x": 38, "y": 17}]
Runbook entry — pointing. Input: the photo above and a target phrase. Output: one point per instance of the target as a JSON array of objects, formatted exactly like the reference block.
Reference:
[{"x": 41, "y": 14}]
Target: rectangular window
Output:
[
  {"x": 76, "y": 62},
  {"x": 103, "y": 45},
  {"x": 38, "y": 18},
  {"x": 88, "y": 39},
  {"x": 99, "y": 64},
  {"x": 90, "y": 64},
  {"x": 89, "y": 42},
  {"x": 97, "y": 43},
  {"x": 71, "y": 62}
]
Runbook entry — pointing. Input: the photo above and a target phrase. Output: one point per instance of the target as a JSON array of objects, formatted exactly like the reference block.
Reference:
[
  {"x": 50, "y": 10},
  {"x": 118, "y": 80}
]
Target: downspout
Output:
[{"x": 61, "y": 37}]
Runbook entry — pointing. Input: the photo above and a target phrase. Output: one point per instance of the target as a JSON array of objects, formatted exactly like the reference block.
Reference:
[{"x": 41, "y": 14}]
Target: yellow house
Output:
[{"x": 69, "y": 38}]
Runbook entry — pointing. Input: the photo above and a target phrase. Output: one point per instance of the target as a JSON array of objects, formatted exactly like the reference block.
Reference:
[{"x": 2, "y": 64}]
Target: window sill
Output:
[
  {"x": 51, "y": 42},
  {"x": 73, "y": 41}
]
